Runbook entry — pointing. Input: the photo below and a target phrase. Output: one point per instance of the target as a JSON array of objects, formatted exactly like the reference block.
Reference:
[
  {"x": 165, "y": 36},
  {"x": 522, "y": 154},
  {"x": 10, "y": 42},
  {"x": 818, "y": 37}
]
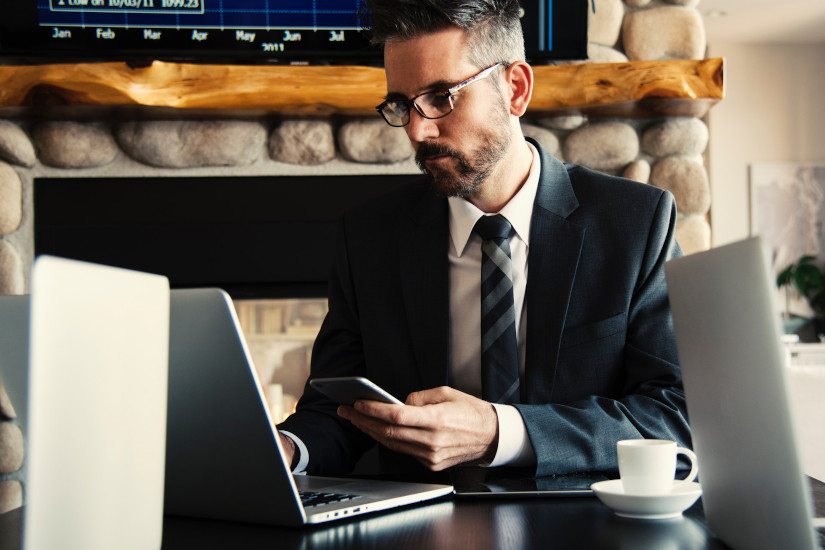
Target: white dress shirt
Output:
[{"x": 514, "y": 447}]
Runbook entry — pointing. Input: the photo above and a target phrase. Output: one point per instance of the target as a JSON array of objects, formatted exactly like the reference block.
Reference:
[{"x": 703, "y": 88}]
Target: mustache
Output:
[{"x": 426, "y": 150}]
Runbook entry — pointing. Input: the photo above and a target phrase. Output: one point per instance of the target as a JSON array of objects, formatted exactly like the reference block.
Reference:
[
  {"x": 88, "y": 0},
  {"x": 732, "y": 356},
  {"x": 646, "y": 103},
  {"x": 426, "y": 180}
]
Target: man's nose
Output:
[{"x": 421, "y": 128}]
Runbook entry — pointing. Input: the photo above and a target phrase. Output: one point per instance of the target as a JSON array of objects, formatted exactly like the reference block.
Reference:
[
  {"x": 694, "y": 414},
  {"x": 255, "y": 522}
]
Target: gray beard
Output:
[{"x": 469, "y": 175}]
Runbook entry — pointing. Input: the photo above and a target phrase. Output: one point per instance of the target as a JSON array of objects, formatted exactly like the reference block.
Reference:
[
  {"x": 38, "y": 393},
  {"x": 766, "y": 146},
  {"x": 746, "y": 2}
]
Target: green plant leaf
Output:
[
  {"x": 807, "y": 278},
  {"x": 785, "y": 276}
]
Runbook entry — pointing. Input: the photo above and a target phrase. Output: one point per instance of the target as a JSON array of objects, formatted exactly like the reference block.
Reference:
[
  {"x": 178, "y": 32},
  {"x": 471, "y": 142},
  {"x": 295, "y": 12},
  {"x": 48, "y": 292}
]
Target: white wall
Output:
[{"x": 774, "y": 110}]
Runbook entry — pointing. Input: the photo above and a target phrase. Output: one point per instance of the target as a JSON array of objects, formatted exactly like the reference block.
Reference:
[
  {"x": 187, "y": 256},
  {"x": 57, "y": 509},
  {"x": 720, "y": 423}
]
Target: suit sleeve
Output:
[
  {"x": 647, "y": 400},
  {"x": 334, "y": 445}
]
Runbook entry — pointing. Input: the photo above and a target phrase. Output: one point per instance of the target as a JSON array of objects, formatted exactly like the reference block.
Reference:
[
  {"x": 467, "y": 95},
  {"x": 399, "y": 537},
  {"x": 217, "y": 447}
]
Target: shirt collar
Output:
[{"x": 519, "y": 211}]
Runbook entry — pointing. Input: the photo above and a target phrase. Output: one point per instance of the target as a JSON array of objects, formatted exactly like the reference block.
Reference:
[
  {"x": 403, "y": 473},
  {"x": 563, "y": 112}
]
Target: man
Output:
[{"x": 593, "y": 346}]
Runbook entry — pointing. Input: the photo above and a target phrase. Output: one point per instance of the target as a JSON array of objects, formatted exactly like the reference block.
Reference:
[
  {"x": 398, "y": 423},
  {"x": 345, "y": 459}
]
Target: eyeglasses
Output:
[{"x": 430, "y": 105}]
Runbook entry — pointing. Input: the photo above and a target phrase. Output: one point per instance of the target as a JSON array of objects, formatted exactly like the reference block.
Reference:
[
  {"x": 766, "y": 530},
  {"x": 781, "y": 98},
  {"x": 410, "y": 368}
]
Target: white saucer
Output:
[{"x": 671, "y": 505}]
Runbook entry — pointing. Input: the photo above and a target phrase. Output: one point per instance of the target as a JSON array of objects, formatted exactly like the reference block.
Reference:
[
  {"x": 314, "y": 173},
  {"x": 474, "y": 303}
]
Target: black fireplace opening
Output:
[
  {"x": 268, "y": 241},
  {"x": 253, "y": 236}
]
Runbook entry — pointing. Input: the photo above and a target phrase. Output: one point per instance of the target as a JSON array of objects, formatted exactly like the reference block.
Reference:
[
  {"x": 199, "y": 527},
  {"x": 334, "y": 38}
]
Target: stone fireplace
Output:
[
  {"x": 665, "y": 151},
  {"x": 664, "y": 147}
]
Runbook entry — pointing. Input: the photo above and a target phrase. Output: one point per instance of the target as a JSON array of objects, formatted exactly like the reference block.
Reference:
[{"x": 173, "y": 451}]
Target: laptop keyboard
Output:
[{"x": 312, "y": 498}]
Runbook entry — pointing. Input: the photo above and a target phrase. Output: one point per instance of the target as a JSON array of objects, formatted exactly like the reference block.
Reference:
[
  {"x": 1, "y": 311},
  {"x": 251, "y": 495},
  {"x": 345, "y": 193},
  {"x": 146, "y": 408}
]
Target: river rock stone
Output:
[
  {"x": 693, "y": 234},
  {"x": 545, "y": 137},
  {"x": 603, "y": 146},
  {"x": 638, "y": 170},
  {"x": 12, "y": 280},
  {"x": 64, "y": 144},
  {"x": 11, "y": 199},
  {"x": 605, "y": 23},
  {"x": 15, "y": 145},
  {"x": 687, "y": 180},
  {"x": 563, "y": 122},
  {"x": 676, "y": 136},
  {"x": 11, "y": 495},
  {"x": 637, "y": 3},
  {"x": 304, "y": 142},
  {"x": 598, "y": 53},
  {"x": 11, "y": 448},
  {"x": 688, "y": 3},
  {"x": 6, "y": 408},
  {"x": 192, "y": 144},
  {"x": 665, "y": 32},
  {"x": 373, "y": 141}
]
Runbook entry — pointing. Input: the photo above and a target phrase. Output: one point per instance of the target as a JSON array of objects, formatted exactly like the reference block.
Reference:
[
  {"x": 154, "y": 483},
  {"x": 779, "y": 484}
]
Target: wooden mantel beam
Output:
[{"x": 637, "y": 88}]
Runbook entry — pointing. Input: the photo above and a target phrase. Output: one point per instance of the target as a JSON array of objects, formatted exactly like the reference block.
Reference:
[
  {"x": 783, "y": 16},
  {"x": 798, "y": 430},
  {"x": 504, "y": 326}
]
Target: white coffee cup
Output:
[{"x": 648, "y": 466}]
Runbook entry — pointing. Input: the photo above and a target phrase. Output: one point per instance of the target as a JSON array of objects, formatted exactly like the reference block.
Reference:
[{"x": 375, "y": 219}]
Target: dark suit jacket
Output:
[{"x": 601, "y": 361}]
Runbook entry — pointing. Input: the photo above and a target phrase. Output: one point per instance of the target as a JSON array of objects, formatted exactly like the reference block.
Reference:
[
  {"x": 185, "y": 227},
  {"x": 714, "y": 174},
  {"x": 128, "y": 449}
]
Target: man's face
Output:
[{"x": 462, "y": 149}]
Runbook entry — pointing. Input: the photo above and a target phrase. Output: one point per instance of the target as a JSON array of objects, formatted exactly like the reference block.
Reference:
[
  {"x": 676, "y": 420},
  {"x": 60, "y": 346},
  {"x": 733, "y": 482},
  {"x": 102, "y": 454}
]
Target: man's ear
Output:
[{"x": 519, "y": 79}]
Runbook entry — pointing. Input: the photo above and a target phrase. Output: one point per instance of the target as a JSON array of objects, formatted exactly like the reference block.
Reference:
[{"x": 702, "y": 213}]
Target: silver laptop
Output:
[
  {"x": 224, "y": 459},
  {"x": 98, "y": 363},
  {"x": 728, "y": 335}
]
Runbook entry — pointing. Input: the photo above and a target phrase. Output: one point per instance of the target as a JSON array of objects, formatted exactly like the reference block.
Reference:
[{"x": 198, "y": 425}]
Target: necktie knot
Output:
[{"x": 493, "y": 227}]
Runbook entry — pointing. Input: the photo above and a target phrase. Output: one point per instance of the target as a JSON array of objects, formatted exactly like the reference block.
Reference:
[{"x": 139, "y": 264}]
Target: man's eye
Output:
[{"x": 441, "y": 100}]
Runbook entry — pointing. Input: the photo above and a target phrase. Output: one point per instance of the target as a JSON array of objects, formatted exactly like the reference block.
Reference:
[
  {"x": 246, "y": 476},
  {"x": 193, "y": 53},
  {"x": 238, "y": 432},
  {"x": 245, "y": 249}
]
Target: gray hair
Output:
[{"x": 493, "y": 27}]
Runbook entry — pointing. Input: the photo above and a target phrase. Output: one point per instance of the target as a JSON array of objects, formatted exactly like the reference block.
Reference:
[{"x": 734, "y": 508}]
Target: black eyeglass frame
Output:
[{"x": 448, "y": 94}]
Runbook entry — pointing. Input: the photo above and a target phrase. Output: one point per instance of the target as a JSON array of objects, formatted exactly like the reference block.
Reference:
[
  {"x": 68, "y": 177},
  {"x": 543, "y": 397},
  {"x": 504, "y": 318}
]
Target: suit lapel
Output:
[
  {"x": 425, "y": 284},
  {"x": 555, "y": 248}
]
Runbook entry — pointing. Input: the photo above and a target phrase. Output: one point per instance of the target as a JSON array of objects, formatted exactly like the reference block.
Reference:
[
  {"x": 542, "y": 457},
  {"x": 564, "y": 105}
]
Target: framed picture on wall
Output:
[{"x": 787, "y": 207}]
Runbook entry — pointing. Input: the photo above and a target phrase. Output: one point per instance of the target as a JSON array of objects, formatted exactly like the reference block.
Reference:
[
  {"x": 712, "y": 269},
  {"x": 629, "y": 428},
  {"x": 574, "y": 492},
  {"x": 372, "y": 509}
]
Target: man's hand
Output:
[
  {"x": 289, "y": 449},
  {"x": 440, "y": 427}
]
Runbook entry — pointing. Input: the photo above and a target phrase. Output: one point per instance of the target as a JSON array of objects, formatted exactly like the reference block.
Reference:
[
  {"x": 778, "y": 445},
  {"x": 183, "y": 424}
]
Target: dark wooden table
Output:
[
  {"x": 448, "y": 523},
  {"x": 455, "y": 524}
]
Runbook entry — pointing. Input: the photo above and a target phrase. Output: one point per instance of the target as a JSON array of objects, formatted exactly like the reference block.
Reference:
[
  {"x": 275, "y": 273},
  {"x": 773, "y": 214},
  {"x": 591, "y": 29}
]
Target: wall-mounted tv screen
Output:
[{"x": 237, "y": 31}]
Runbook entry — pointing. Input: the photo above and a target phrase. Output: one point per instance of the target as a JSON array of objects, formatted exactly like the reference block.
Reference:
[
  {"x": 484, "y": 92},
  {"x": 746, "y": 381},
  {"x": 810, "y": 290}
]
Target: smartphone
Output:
[{"x": 347, "y": 389}]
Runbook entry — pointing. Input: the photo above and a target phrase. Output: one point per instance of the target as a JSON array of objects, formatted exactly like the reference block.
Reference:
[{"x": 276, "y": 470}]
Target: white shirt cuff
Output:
[
  {"x": 514, "y": 446},
  {"x": 301, "y": 449}
]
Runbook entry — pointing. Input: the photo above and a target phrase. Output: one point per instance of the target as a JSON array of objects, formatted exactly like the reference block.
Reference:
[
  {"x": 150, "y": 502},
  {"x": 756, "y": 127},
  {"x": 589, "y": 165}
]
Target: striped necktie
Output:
[{"x": 499, "y": 352}]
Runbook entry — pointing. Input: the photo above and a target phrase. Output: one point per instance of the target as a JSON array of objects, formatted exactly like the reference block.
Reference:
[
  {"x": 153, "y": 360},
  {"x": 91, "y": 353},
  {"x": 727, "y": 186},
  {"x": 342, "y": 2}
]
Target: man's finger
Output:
[
  {"x": 384, "y": 431},
  {"x": 417, "y": 417}
]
